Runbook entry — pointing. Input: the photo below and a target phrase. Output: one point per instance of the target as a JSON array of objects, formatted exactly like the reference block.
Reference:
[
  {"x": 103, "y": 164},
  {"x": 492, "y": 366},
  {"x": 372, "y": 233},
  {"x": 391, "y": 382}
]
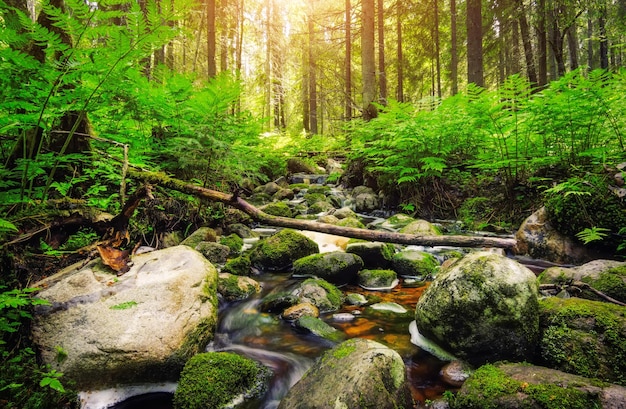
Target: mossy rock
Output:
[
  {"x": 233, "y": 242},
  {"x": 611, "y": 283},
  {"x": 283, "y": 194},
  {"x": 601, "y": 207},
  {"x": 241, "y": 266},
  {"x": 421, "y": 228},
  {"x": 372, "y": 279},
  {"x": 319, "y": 328},
  {"x": 397, "y": 221},
  {"x": 483, "y": 308},
  {"x": 236, "y": 288},
  {"x": 350, "y": 222},
  {"x": 278, "y": 302},
  {"x": 515, "y": 386},
  {"x": 214, "y": 252},
  {"x": 241, "y": 230},
  {"x": 212, "y": 380},
  {"x": 328, "y": 219},
  {"x": 279, "y": 251},
  {"x": 321, "y": 206},
  {"x": 319, "y": 292},
  {"x": 374, "y": 254},
  {"x": 344, "y": 212},
  {"x": 202, "y": 234},
  {"x": 281, "y": 209},
  {"x": 584, "y": 337},
  {"x": 414, "y": 263},
  {"x": 312, "y": 198},
  {"x": 336, "y": 267},
  {"x": 297, "y": 165},
  {"x": 319, "y": 189}
]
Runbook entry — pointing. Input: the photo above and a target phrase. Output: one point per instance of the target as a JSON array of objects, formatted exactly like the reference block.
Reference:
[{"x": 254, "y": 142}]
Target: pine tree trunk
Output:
[
  {"x": 475, "y": 72},
  {"x": 368, "y": 59},
  {"x": 348, "y": 62},
  {"x": 454, "y": 53}
]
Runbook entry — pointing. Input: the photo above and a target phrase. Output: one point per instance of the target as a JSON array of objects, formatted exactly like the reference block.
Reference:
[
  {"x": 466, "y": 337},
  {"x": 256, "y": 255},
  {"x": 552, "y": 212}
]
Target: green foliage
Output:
[{"x": 24, "y": 383}]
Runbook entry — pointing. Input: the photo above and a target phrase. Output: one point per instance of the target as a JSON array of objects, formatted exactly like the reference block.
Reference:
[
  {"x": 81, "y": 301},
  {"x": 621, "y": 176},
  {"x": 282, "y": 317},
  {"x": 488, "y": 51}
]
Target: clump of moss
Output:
[
  {"x": 377, "y": 278},
  {"x": 213, "y": 379},
  {"x": 584, "y": 337},
  {"x": 280, "y": 250},
  {"x": 240, "y": 266},
  {"x": 330, "y": 299},
  {"x": 233, "y": 242},
  {"x": 611, "y": 283},
  {"x": 278, "y": 209},
  {"x": 319, "y": 328},
  {"x": 489, "y": 387},
  {"x": 312, "y": 198}
]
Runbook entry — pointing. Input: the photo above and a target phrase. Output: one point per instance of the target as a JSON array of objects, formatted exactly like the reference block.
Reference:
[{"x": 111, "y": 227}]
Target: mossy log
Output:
[{"x": 372, "y": 235}]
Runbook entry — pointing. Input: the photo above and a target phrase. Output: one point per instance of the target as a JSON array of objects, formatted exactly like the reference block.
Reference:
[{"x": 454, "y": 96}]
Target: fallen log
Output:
[{"x": 371, "y": 235}]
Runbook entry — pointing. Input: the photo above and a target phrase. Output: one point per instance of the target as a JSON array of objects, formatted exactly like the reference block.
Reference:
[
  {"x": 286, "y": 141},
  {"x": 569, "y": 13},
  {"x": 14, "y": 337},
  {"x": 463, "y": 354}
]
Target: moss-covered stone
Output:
[
  {"x": 350, "y": 222},
  {"x": 320, "y": 207},
  {"x": 320, "y": 293},
  {"x": 212, "y": 380},
  {"x": 336, "y": 267},
  {"x": 397, "y": 221},
  {"x": 584, "y": 337},
  {"x": 202, "y": 234},
  {"x": 377, "y": 278},
  {"x": 278, "y": 302},
  {"x": 299, "y": 165},
  {"x": 281, "y": 209},
  {"x": 421, "y": 228},
  {"x": 611, "y": 283},
  {"x": 241, "y": 266},
  {"x": 315, "y": 189},
  {"x": 319, "y": 328},
  {"x": 484, "y": 308},
  {"x": 235, "y": 288},
  {"x": 374, "y": 254},
  {"x": 414, "y": 263},
  {"x": 515, "y": 386},
  {"x": 214, "y": 252},
  {"x": 233, "y": 242},
  {"x": 280, "y": 250}
]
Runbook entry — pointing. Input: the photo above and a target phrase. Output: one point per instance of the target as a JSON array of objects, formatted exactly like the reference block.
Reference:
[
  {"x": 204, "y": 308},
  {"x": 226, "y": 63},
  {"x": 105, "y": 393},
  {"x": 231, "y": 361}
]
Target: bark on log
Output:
[{"x": 371, "y": 235}]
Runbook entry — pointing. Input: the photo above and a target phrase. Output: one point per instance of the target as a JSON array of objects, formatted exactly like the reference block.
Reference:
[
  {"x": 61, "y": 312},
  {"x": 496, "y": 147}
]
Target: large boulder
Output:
[
  {"x": 414, "y": 263},
  {"x": 583, "y": 337},
  {"x": 357, "y": 373},
  {"x": 514, "y": 386},
  {"x": 101, "y": 330},
  {"x": 484, "y": 308},
  {"x": 236, "y": 288},
  {"x": 280, "y": 250},
  {"x": 374, "y": 254},
  {"x": 539, "y": 239},
  {"x": 325, "y": 296},
  {"x": 336, "y": 267},
  {"x": 421, "y": 227},
  {"x": 365, "y": 199}
]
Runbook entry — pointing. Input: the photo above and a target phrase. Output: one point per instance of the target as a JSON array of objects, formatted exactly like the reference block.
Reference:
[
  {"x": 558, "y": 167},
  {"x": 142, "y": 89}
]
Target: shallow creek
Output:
[{"x": 264, "y": 337}]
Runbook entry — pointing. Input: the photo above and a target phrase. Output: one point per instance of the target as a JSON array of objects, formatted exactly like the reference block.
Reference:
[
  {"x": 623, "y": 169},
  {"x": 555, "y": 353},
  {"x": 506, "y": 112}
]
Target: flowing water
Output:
[{"x": 266, "y": 338}]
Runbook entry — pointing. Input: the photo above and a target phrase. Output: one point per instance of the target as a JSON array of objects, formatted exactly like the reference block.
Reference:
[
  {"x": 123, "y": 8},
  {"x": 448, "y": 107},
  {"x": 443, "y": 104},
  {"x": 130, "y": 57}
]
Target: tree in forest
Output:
[
  {"x": 399, "y": 51},
  {"x": 348, "y": 62},
  {"x": 210, "y": 38},
  {"x": 474, "y": 43},
  {"x": 368, "y": 60},
  {"x": 382, "y": 75},
  {"x": 454, "y": 53}
]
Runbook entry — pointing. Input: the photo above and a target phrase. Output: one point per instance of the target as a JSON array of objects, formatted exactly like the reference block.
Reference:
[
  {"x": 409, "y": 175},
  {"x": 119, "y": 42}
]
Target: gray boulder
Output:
[
  {"x": 421, "y": 228},
  {"x": 202, "y": 234},
  {"x": 414, "y": 263},
  {"x": 539, "y": 239},
  {"x": 138, "y": 327},
  {"x": 365, "y": 199},
  {"x": 214, "y": 252},
  {"x": 357, "y": 373},
  {"x": 483, "y": 308},
  {"x": 325, "y": 296},
  {"x": 336, "y": 267}
]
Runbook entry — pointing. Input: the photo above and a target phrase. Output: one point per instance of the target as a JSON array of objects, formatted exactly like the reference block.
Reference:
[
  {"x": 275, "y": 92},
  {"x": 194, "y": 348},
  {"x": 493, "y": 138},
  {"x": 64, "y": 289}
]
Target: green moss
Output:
[
  {"x": 611, "y": 283},
  {"x": 319, "y": 189},
  {"x": 490, "y": 388},
  {"x": 280, "y": 250},
  {"x": 212, "y": 380},
  {"x": 318, "y": 327},
  {"x": 233, "y": 242},
  {"x": 350, "y": 222},
  {"x": 278, "y": 209},
  {"x": 376, "y": 278},
  {"x": 334, "y": 295},
  {"x": 584, "y": 337},
  {"x": 240, "y": 266},
  {"x": 343, "y": 350}
]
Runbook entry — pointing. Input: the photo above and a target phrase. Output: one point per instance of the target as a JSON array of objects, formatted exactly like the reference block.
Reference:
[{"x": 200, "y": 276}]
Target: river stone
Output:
[
  {"x": 235, "y": 288},
  {"x": 202, "y": 234},
  {"x": 336, "y": 267},
  {"x": 372, "y": 279},
  {"x": 137, "y": 328},
  {"x": 357, "y": 373},
  {"x": 280, "y": 250},
  {"x": 300, "y": 310},
  {"x": 455, "y": 373},
  {"x": 421, "y": 228},
  {"x": 414, "y": 263},
  {"x": 519, "y": 385},
  {"x": 374, "y": 254},
  {"x": 297, "y": 165},
  {"x": 607, "y": 276},
  {"x": 482, "y": 309},
  {"x": 319, "y": 292},
  {"x": 365, "y": 199},
  {"x": 277, "y": 209},
  {"x": 537, "y": 238},
  {"x": 214, "y": 252},
  {"x": 319, "y": 328},
  {"x": 397, "y": 221},
  {"x": 284, "y": 194},
  {"x": 344, "y": 212}
]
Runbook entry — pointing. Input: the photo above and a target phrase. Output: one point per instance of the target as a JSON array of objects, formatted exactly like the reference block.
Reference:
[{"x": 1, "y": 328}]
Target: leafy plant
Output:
[{"x": 592, "y": 234}]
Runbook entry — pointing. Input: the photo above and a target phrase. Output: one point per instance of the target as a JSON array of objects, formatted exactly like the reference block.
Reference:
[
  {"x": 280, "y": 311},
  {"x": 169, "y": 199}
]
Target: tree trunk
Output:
[
  {"x": 399, "y": 16},
  {"x": 210, "y": 38},
  {"x": 348, "y": 62},
  {"x": 527, "y": 42},
  {"x": 373, "y": 235},
  {"x": 542, "y": 45},
  {"x": 604, "y": 43},
  {"x": 224, "y": 34},
  {"x": 475, "y": 72},
  {"x": 312, "y": 75},
  {"x": 572, "y": 45},
  {"x": 454, "y": 53},
  {"x": 590, "y": 62},
  {"x": 382, "y": 76},
  {"x": 437, "y": 47},
  {"x": 368, "y": 59}
]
